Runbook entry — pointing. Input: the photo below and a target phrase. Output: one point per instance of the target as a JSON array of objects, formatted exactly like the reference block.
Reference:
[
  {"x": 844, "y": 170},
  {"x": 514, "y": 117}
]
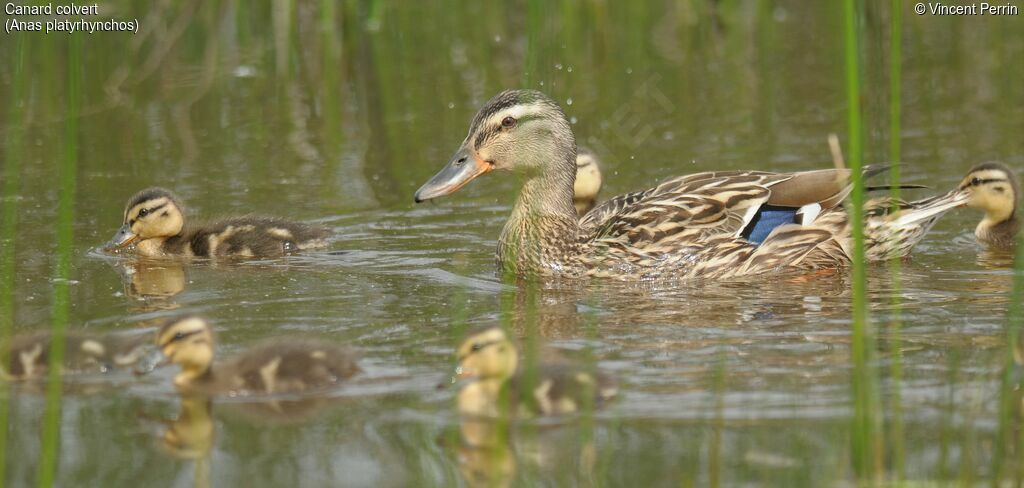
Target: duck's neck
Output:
[
  {"x": 542, "y": 230},
  {"x": 190, "y": 378},
  {"x": 998, "y": 229}
]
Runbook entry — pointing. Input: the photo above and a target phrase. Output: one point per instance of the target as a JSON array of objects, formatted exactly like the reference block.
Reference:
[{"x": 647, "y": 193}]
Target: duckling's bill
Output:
[
  {"x": 465, "y": 165},
  {"x": 123, "y": 238}
]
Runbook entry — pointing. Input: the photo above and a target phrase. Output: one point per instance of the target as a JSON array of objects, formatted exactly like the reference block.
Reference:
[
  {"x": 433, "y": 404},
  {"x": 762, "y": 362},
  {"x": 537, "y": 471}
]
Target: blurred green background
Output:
[{"x": 336, "y": 112}]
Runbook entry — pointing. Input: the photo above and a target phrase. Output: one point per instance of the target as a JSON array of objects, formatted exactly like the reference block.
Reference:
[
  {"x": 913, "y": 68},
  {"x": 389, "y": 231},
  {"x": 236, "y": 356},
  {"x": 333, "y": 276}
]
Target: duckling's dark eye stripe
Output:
[
  {"x": 181, "y": 335},
  {"x": 480, "y": 346},
  {"x": 978, "y": 182}
]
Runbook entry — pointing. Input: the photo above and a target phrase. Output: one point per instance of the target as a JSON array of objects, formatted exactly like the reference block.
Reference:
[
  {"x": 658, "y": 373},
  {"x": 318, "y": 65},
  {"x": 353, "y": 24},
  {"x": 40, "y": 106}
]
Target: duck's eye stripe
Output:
[{"x": 181, "y": 335}]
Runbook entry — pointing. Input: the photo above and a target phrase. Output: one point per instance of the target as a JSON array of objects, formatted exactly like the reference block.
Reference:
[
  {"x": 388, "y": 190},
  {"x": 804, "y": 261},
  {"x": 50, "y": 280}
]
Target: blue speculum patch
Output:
[{"x": 766, "y": 220}]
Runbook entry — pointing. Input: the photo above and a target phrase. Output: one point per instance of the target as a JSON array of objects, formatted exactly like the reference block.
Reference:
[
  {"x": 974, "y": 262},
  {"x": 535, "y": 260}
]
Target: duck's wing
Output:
[{"x": 683, "y": 209}]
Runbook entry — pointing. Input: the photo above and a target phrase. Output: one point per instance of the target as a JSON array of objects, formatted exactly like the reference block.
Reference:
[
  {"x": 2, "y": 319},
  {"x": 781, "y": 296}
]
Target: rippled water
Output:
[{"x": 253, "y": 109}]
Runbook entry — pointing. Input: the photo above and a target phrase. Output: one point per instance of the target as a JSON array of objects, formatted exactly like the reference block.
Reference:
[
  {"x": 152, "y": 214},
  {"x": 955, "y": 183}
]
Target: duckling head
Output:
[
  {"x": 187, "y": 342},
  {"x": 993, "y": 188},
  {"x": 588, "y": 181},
  {"x": 487, "y": 354},
  {"x": 522, "y": 131},
  {"x": 153, "y": 213}
]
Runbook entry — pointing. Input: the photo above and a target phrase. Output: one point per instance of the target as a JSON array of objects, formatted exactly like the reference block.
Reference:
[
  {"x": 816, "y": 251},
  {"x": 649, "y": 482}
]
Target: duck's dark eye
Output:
[
  {"x": 508, "y": 122},
  {"x": 476, "y": 347},
  {"x": 144, "y": 212},
  {"x": 975, "y": 181},
  {"x": 178, "y": 336}
]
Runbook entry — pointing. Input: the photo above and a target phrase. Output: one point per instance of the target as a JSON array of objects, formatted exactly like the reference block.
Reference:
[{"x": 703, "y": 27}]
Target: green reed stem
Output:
[
  {"x": 8, "y": 232},
  {"x": 62, "y": 287},
  {"x": 895, "y": 265},
  {"x": 1010, "y": 404},
  {"x": 864, "y": 438}
]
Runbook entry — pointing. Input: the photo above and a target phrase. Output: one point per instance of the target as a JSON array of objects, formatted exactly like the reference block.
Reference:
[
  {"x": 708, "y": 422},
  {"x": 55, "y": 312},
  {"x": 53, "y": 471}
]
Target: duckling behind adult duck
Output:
[
  {"x": 154, "y": 221},
  {"x": 284, "y": 366},
  {"x": 488, "y": 359},
  {"x": 588, "y": 181},
  {"x": 710, "y": 225},
  {"x": 28, "y": 355},
  {"x": 993, "y": 187}
]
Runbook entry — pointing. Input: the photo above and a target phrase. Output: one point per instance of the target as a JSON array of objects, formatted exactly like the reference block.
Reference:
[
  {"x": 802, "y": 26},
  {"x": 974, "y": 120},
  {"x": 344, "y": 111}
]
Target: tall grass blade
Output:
[
  {"x": 13, "y": 155},
  {"x": 865, "y": 446},
  {"x": 47, "y": 473}
]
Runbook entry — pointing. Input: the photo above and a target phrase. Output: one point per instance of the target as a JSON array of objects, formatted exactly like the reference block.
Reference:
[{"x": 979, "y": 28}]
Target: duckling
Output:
[
  {"x": 154, "y": 222},
  {"x": 588, "y": 181},
  {"x": 488, "y": 358},
  {"x": 28, "y": 355},
  {"x": 993, "y": 187},
  {"x": 272, "y": 368}
]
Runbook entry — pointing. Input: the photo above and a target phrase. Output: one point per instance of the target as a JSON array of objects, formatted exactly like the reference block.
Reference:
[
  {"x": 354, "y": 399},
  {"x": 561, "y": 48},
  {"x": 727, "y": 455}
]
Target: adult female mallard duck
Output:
[
  {"x": 28, "y": 355},
  {"x": 993, "y": 187},
  {"x": 154, "y": 222},
  {"x": 284, "y": 366},
  {"x": 588, "y": 181},
  {"x": 709, "y": 225},
  {"x": 489, "y": 364}
]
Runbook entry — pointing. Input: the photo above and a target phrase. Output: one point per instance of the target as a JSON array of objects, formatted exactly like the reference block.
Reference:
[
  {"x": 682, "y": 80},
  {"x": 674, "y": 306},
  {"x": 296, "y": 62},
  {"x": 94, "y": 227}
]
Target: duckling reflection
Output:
[
  {"x": 191, "y": 434},
  {"x": 491, "y": 453},
  {"x": 993, "y": 188},
  {"x": 275, "y": 367},
  {"x": 154, "y": 222},
  {"x": 154, "y": 283},
  {"x": 27, "y": 356}
]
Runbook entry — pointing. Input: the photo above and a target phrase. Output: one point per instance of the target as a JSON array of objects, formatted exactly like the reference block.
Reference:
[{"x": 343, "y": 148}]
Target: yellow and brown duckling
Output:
[
  {"x": 278, "y": 367},
  {"x": 488, "y": 360},
  {"x": 993, "y": 187},
  {"x": 588, "y": 181},
  {"x": 28, "y": 355},
  {"x": 154, "y": 221}
]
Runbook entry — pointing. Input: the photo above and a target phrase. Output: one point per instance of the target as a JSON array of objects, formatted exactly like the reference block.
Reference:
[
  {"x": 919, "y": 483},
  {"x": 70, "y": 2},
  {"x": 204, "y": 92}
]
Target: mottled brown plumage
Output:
[
  {"x": 488, "y": 362},
  {"x": 695, "y": 226},
  {"x": 154, "y": 222},
  {"x": 275, "y": 367},
  {"x": 27, "y": 356}
]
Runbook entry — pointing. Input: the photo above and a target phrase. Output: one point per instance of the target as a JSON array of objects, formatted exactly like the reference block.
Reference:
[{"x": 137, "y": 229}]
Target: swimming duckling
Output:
[
  {"x": 28, "y": 355},
  {"x": 489, "y": 359},
  {"x": 154, "y": 221},
  {"x": 993, "y": 187},
  {"x": 588, "y": 181},
  {"x": 274, "y": 367}
]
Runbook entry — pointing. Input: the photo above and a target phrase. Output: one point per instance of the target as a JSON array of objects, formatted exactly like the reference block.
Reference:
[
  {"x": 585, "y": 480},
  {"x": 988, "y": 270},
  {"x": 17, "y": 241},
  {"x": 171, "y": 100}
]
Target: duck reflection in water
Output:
[{"x": 153, "y": 283}]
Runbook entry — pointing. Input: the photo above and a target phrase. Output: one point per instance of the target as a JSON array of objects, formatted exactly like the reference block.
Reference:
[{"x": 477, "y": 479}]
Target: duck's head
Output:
[
  {"x": 993, "y": 188},
  {"x": 151, "y": 213},
  {"x": 588, "y": 181},
  {"x": 187, "y": 342},
  {"x": 486, "y": 354},
  {"x": 521, "y": 131}
]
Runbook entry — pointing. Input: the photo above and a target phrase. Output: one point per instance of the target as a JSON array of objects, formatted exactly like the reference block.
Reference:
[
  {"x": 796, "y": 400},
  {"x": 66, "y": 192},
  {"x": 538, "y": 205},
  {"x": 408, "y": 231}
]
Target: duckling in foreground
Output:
[
  {"x": 588, "y": 181},
  {"x": 272, "y": 368},
  {"x": 488, "y": 359},
  {"x": 993, "y": 187},
  {"x": 154, "y": 222},
  {"x": 28, "y": 356}
]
